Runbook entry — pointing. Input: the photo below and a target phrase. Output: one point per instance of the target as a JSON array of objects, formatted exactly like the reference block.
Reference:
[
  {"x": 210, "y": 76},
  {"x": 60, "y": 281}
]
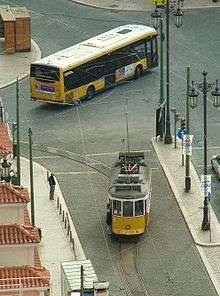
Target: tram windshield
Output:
[
  {"x": 128, "y": 208},
  {"x": 139, "y": 207},
  {"x": 117, "y": 207}
]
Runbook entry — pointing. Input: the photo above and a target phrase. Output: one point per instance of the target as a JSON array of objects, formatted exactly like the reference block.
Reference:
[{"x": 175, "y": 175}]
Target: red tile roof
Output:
[
  {"x": 10, "y": 194},
  {"x": 24, "y": 277},
  {"x": 5, "y": 141},
  {"x": 14, "y": 234}
]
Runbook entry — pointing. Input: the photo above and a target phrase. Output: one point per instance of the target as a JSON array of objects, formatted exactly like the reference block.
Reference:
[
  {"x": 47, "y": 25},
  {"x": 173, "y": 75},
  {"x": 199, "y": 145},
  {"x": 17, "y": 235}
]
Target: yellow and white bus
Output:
[{"x": 93, "y": 65}]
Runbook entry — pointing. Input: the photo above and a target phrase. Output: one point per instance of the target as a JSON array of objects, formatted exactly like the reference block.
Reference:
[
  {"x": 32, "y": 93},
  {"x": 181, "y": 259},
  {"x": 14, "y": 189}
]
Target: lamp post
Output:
[
  {"x": 204, "y": 87},
  {"x": 18, "y": 135},
  {"x": 156, "y": 17},
  {"x": 187, "y": 168}
]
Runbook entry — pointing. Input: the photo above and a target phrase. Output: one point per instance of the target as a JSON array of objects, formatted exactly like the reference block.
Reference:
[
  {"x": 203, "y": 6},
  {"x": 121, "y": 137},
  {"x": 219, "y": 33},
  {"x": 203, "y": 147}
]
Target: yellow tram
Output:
[{"x": 129, "y": 195}]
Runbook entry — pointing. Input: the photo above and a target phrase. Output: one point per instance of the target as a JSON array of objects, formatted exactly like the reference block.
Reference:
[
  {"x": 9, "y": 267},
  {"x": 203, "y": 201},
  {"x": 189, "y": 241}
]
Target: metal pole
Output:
[
  {"x": 18, "y": 135},
  {"x": 31, "y": 177},
  {"x": 14, "y": 139},
  {"x": 168, "y": 137},
  {"x": 187, "y": 170},
  {"x": 175, "y": 121},
  {"x": 82, "y": 281},
  {"x": 127, "y": 130},
  {"x": 205, "y": 222},
  {"x": 161, "y": 81}
]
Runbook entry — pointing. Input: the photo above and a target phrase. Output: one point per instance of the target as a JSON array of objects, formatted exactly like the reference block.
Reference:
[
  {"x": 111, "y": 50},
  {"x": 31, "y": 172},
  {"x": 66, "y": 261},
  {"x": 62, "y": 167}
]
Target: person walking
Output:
[{"x": 52, "y": 184}]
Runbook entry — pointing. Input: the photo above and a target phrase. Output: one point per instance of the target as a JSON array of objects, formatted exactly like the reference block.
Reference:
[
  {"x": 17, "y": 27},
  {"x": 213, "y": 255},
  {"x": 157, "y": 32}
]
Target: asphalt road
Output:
[{"x": 170, "y": 263}]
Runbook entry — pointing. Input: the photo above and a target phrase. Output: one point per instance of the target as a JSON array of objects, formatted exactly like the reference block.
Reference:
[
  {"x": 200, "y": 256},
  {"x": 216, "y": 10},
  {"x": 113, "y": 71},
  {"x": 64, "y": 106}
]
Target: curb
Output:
[
  {"x": 179, "y": 202},
  {"x": 80, "y": 2},
  {"x": 23, "y": 76},
  {"x": 198, "y": 244}
]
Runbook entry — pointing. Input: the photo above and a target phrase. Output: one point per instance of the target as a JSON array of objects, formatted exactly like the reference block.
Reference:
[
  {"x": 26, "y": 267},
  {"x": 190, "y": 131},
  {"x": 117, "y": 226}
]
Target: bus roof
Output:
[{"x": 96, "y": 46}]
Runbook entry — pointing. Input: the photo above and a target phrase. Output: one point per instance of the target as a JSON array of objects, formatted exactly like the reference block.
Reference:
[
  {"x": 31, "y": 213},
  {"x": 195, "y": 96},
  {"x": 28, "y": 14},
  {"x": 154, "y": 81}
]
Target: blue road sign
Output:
[{"x": 180, "y": 133}]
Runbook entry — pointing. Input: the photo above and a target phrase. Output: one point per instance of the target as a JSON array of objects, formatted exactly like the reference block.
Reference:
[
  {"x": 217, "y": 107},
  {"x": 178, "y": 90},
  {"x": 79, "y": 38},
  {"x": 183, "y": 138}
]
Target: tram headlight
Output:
[{"x": 127, "y": 227}]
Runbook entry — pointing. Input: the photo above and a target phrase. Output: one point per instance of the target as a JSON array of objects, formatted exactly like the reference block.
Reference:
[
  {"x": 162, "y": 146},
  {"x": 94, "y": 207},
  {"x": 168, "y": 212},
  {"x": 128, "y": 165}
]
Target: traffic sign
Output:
[
  {"x": 187, "y": 144},
  {"x": 206, "y": 182},
  {"x": 181, "y": 133}
]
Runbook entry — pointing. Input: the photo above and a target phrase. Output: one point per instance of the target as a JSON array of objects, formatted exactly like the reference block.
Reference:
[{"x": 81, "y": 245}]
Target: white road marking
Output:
[
  {"x": 46, "y": 156},
  {"x": 209, "y": 148},
  {"x": 116, "y": 152},
  {"x": 75, "y": 173}
]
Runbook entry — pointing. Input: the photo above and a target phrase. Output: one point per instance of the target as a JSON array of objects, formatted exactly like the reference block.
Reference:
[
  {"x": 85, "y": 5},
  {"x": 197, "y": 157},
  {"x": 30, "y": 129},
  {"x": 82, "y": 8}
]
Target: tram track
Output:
[
  {"x": 129, "y": 270},
  {"x": 82, "y": 159}
]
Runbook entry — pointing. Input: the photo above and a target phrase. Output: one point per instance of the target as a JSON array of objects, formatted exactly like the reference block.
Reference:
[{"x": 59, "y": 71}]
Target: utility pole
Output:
[
  {"x": 168, "y": 137},
  {"x": 187, "y": 167},
  {"x": 18, "y": 135},
  {"x": 81, "y": 281},
  {"x": 31, "y": 177},
  {"x": 162, "y": 107}
]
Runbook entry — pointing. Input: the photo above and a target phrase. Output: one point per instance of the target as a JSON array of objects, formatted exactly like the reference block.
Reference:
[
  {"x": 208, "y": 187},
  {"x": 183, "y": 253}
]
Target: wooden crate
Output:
[
  {"x": 22, "y": 35},
  {"x": 8, "y": 20},
  {"x": 9, "y": 33},
  {"x": 22, "y": 29}
]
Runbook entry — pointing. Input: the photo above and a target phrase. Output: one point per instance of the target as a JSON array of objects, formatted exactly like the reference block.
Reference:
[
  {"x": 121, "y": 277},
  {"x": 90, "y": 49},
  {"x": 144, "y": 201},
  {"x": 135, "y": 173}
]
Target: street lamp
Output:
[
  {"x": 156, "y": 18},
  {"x": 204, "y": 87}
]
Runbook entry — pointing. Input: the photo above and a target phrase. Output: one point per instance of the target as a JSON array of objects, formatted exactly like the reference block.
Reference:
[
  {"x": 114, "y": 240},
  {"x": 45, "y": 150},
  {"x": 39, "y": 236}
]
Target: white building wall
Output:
[
  {"x": 11, "y": 256},
  {"x": 11, "y": 214}
]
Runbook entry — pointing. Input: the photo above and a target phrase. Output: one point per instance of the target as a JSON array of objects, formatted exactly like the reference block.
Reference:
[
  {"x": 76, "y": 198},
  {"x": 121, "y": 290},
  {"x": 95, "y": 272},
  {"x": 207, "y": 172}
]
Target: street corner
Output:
[
  {"x": 125, "y": 5},
  {"x": 17, "y": 66}
]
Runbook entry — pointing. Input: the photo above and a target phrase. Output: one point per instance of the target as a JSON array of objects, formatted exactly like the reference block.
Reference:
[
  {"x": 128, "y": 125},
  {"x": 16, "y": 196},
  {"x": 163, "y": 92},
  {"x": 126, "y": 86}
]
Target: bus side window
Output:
[
  {"x": 138, "y": 50},
  {"x": 116, "y": 208},
  {"x": 139, "y": 208}
]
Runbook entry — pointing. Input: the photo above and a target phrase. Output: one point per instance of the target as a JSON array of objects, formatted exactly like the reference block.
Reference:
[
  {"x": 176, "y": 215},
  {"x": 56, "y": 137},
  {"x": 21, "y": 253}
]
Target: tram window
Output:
[
  {"x": 116, "y": 207},
  {"x": 128, "y": 208},
  {"x": 139, "y": 207}
]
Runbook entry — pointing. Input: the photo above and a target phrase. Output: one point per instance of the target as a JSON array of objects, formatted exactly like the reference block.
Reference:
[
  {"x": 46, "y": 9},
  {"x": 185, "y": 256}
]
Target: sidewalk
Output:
[
  {"x": 18, "y": 63},
  {"x": 141, "y": 5},
  {"x": 191, "y": 206},
  {"x": 59, "y": 243}
]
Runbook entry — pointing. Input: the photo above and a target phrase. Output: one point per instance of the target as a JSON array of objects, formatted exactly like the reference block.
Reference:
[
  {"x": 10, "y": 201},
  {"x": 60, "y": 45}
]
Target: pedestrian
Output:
[{"x": 52, "y": 184}]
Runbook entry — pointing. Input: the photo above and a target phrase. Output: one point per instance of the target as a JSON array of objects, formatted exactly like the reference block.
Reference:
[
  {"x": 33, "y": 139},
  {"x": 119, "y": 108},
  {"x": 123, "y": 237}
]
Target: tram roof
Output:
[
  {"x": 96, "y": 46},
  {"x": 129, "y": 189}
]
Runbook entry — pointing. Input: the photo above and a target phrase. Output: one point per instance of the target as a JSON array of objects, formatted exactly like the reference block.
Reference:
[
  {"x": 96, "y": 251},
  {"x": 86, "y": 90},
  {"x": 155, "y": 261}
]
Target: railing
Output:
[{"x": 68, "y": 225}]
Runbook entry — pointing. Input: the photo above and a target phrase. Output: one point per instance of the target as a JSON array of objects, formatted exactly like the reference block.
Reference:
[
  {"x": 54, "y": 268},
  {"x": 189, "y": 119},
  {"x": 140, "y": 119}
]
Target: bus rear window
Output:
[{"x": 44, "y": 72}]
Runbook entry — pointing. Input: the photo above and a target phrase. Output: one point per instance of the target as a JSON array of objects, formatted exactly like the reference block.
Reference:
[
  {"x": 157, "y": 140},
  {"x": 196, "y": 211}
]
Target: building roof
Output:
[
  {"x": 15, "y": 234},
  {"x": 72, "y": 271},
  {"x": 5, "y": 141},
  {"x": 24, "y": 277},
  {"x": 10, "y": 194}
]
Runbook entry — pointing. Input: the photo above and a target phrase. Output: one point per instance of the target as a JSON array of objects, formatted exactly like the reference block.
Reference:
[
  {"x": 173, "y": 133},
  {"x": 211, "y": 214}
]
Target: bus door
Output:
[
  {"x": 151, "y": 52},
  {"x": 110, "y": 67}
]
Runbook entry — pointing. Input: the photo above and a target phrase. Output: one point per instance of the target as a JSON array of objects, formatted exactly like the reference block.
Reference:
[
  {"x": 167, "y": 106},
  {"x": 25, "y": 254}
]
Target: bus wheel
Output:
[
  {"x": 90, "y": 93},
  {"x": 138, "y": 72}
]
